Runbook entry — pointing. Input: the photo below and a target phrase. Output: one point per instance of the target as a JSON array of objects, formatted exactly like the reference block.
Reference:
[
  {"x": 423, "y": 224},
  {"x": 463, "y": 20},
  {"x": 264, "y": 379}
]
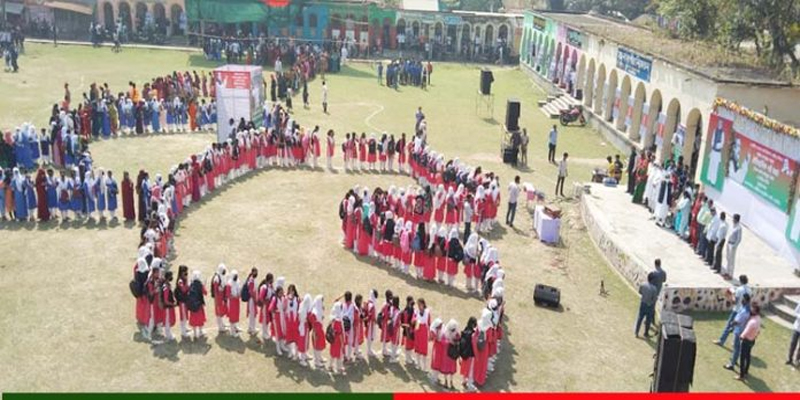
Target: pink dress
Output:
[{"x": 233, "y": 305}]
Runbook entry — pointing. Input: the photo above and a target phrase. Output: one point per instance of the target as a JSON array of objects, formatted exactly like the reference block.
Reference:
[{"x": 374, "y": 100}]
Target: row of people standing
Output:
[
  {"x": 413, "y": 226},
  {"x": 299, "y": 330}
]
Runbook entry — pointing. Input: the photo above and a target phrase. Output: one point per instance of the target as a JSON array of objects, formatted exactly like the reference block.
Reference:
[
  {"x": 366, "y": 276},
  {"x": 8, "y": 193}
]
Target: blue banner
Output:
[{"x": 634, "y": 64}]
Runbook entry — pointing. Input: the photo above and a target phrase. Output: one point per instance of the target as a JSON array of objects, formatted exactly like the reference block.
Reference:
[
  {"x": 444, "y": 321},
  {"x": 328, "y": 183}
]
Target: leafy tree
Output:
[{"x": 629, "y": 8}]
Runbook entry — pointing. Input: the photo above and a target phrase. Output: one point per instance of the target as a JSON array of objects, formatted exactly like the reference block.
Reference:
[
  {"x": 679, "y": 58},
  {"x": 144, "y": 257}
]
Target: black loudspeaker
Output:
[
  {"x": 512, "y": 115},
  {"x": 486, "y": 81},
  {"x": 675, "y": 354},
  {"x": 509, "y": 155},
  {"x": 546, "y": 295}
]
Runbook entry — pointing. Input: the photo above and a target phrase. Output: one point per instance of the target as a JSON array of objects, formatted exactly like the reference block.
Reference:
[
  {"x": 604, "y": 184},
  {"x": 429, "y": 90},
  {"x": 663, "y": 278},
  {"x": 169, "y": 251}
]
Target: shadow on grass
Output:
[{"x": 56, "y": 224}]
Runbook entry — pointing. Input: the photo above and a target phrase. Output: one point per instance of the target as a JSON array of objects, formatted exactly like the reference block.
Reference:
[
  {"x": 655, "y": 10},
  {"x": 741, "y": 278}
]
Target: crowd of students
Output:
[{"x": 293, "y": 323}]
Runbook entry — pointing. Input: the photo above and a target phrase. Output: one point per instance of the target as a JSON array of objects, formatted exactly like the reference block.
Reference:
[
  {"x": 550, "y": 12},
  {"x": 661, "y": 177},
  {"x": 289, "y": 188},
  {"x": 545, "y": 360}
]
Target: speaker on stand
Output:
[
  {"x": 486, "y": 81},
  {"x": 484, "y": 99},
  {"x": 512, "y": 114}
]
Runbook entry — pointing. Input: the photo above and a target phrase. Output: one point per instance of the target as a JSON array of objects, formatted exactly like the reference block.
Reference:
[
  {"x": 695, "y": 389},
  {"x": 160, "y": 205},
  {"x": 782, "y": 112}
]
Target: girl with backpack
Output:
[
  {"x": 278, "y": 313},
  {"x": 196, "y": 305},
  {"x": 384, "y": 322},
  {"x": 408, "y": 323},
  {"x": 372, "y": 149},
  {"x": 449, "y": 342},
  {"x": 382, "y": 144},
  {"x": 406, "y": 237},
  {"x": 233, "y": 297},
  {"x": 362, "y": 151},
  {"x": 181, "y": 296},
  {"x": 335, "y": 336},
  {"x": 393, "y": 328},
  {"x": 391, "y": 147},
  {"x": 263, "y": 298},
  {"x": 401, "y": 154},
  {"x": 315, "y": 319},
  {"x": 364, "y": 229},
  {"x": 292, "y": 320},
  {"x": 480, "y": 340},
  {"x": 396, "y": 255},
  {"x": 471, "y": 255},
  {"x": 440, "y": 253},
  {"x": 455, "y": 254},
  {"x": 429, "y": 271},
  {"x": 151, "y": 289},
  {"x": 249, "y": 294}
]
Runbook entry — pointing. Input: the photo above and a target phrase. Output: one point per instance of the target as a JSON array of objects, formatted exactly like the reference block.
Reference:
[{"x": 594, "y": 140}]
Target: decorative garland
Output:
[{"x": 758, "y": 118}]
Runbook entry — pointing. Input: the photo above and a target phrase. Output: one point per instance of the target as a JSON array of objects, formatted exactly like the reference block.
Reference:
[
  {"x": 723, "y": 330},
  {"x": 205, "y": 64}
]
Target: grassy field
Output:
[{"x": 66, "y": 316}]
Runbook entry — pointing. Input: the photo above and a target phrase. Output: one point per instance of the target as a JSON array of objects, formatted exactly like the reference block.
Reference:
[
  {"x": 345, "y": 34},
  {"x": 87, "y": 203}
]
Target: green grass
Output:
[{"x": 66, "y": 317}]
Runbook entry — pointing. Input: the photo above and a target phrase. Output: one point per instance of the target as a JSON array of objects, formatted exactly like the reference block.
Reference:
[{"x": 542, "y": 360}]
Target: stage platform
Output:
[{"x": 630, "y": 240}]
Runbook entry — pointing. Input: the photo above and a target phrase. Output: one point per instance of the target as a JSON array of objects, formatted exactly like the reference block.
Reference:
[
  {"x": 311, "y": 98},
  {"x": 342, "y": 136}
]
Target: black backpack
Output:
[
  {"x": 379, "y": 319},
  {"x": 453, "y": 351},
  {"x": 456, "y": 251},
  {"x": 347, "y": 324},
  {"x": 245, "y": 295},
  {"x": 180, "y": 296},
  {"x": 465, "y": 344},
  {"x": 215, "y": 287},
  {"x": 342, "y": 212},
  {"x": 330, "y": 335},
  {"x": 195, "y": 300},
  {"x": 135, "y": 288},
  {"x": 368, "y": 226}
]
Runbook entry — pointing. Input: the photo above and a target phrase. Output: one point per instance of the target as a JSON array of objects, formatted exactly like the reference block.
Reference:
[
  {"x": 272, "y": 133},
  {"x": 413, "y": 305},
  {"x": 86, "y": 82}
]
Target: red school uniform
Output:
[
  {"x": 220, "y": 308},
  {"x": 337, "y": 347},
  {"x": 317, "y": 333},
  {"x": 233, "y": 304},
  {"x": 436, "y": 349},
  {"x": 423, "y": 321}
]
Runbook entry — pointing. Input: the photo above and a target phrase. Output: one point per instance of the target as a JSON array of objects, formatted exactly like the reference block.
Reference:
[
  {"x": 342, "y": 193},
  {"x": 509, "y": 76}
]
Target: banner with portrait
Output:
[
  {"x": 719, "y": 132},
  {"x": 764, "y": 171}
]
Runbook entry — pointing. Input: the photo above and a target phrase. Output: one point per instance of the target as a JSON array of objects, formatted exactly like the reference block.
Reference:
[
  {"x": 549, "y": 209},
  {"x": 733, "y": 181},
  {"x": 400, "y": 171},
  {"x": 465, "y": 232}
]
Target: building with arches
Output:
[
  {"x": 646, "y": 91},
  {"x": 169, "y": 15}
]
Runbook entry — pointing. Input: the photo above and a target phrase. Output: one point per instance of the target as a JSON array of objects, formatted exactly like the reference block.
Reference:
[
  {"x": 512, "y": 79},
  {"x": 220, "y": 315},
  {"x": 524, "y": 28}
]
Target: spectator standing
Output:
[
  {"x": 749, "y": 334},
  {"x": 659, "y": 275},
  {"x": 794, "y": 355},
  {"x": 523, "y": 150},
  {"x": 513, "y": 195},
  {"x": 562, "y": 175},
  {"x": 647, "y": 305},
  {"x": 551, "y": 144},
  {"x": 734, "y": 238}
]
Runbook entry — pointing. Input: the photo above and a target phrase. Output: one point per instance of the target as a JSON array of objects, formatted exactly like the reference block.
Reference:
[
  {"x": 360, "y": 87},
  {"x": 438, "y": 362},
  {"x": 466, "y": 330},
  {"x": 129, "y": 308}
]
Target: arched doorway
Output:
[
  {"x": 389, "y": 41},
  {"x": 401, "y": 33},
  {"x": 691, "y": 144},
  {"x": 312, "y": 24},
  {"x": 610, "y": 95},
  {"x": 437, "y": 31},
  {"x": 489, "y": 37},
  {"x": 465, "y": 36},
  {"x": 160, "y": 18},
  {"x": 415, "y": 28},
  {"x": 625, "y": 93},
  {"x": 554, "y": 63},
  {"x": 651, "y": 124},
  {"x": 600, "y": 91},
  {"x": 335, "y": 27},
  {"x": 452, "y": 43},
  {"x": 141, "y": 15},
  {"x": 108, "y": 15},
  {"x": 175, "y": 12},
  {"x": 502, "y": 34},
  {"x": 636, "y": 120},
  {"x": 580, "y": 78},
  {"x": 588, "y": 86},
  {"x": 670, "y": 126},
  {"x": 125, "y": 15}
]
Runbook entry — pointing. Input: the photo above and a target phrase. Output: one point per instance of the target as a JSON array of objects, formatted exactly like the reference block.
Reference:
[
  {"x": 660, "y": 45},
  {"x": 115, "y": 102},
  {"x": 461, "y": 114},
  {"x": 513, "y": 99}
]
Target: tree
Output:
[{"x": 630, "y": 9}]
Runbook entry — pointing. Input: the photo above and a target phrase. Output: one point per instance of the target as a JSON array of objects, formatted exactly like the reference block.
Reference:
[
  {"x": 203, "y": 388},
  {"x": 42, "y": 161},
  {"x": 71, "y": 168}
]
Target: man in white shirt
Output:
[
  {"x": 734, "y": 238},
  {"x": 562, "y": 174},
  {"x": 278, "y": 66},
  {"x": 711, "y": 237},
  {"x": 737, "y": 295},
  {"x": 722, "y": 234},
  {"x": 551, "y": 144},
  {"x": 513, "y": 195}
]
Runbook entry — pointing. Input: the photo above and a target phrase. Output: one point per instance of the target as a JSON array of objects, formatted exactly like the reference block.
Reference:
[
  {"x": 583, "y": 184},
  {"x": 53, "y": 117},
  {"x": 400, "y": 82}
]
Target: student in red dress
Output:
[
  {"x": 331, "y": 147},
  {"x": 384, "y": 321},
  {"x": 372, "y": 149},
  {"x": 441, "y": 254},
  {"x": 181, "y": 295},
  {"x": 348, "y": 323},
  {"x": 401, "y": 154},
  {"x": 167, "y": 303},
  {"x": 419, "y": 246},
  {"x": 394, "y": 328},
  {"x": 480, "y": 340},
  {"x": 358, "y": 326},
  {"x": 364, "y": 238},
  {"x": 422, "y": 322},
  {"x": 304, "y": 329},
  {"x": 315, "y": 323},
  {"x": 251, "y": 297},
  {"x": 292, "y": 320},
  {"x": 407, "y": 323},
  {"x": 369, "y": 314},
  {"x": 233, "y": 294},
  {"x": 151, "y": 289},
  {"x": 337, "y": 348},
  {"x": 436, "y": 331},
  {"x": 263, "y": 299},
  {"x": 351, "y": 224},
  {"x": 455, "y": 254},
  {"x": 448, "y": 338},
  {"x": 277, "y": 311},
  {"x": 362, "y": 152},
  {"x": 406, "y": 237},
  {"x": 196, "y": 305},
  {"x": 471, "y": 256},
  {"x": 218, "y": 293}
]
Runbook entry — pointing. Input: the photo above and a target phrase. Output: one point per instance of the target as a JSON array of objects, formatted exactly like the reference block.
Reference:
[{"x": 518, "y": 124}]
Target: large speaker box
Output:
[
  {"x": 509, "y": 155},
  {"x": 486, "y": 81},
  {"x": 546, "y": 295},
  {"x": 675, "y": 354},
  {"x": 512, "y": 114}
]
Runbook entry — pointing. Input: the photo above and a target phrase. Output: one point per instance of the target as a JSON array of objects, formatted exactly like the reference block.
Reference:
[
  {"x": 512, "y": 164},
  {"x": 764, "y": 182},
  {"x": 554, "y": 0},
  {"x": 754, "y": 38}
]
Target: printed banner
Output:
[
  {"x": 617, "y": 100},
  {"x": 575, "y": 38},
  {"x": 793, "y": 227},
  {"x": 644, "y": 124},
  {"x": 719, "y": 132},
  {"x": 629, "y": 113},
  {"x": 662, "y": 120},
  {"x": 634, "y": 64},
  {"x": 762, "y": 170},
  {"x": 678, "y": 139}
]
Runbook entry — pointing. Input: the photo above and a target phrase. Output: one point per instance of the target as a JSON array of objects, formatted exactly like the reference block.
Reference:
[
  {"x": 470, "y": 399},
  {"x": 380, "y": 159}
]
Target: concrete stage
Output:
[{"x": 630, "y": 240}]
